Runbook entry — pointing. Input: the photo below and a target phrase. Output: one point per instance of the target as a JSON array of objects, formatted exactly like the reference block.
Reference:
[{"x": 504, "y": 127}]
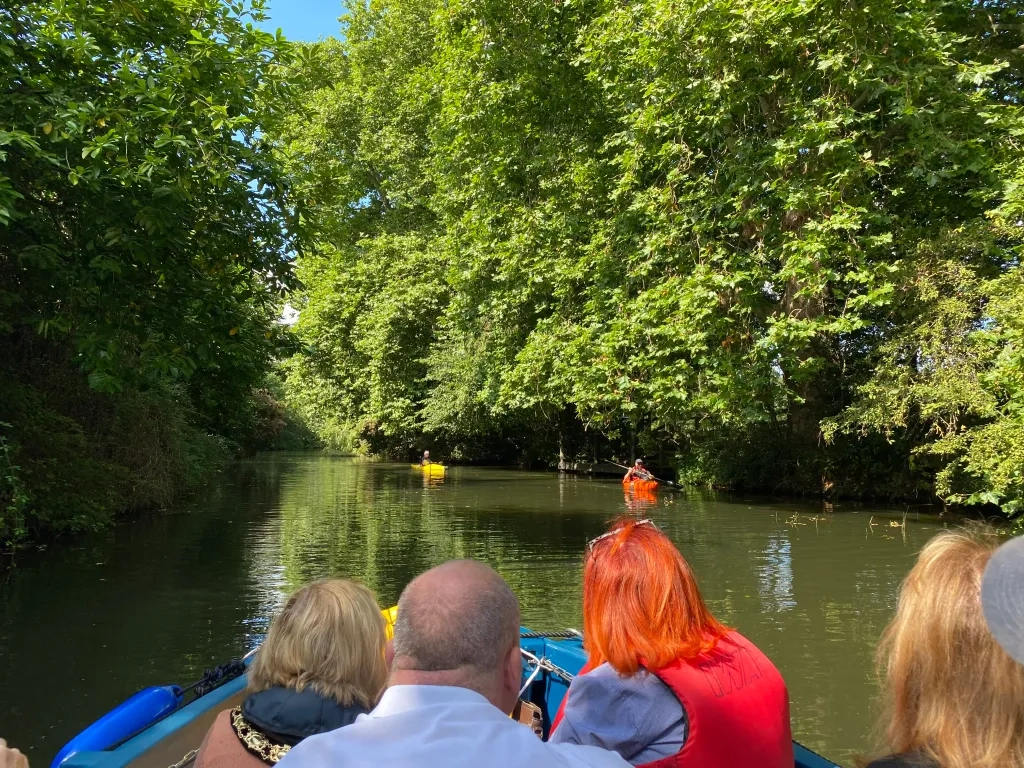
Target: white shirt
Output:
[{"x": 433, "y": 726}]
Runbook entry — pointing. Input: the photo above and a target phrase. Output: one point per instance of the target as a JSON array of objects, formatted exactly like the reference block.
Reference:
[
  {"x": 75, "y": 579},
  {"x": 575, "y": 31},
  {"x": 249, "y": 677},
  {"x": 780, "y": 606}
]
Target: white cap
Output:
[{"x": 1002, "y": 597}]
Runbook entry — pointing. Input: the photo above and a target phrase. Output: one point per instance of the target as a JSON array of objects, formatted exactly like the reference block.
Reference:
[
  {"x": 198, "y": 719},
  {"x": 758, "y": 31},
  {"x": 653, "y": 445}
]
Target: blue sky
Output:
[{"x": 304, "y": 20}]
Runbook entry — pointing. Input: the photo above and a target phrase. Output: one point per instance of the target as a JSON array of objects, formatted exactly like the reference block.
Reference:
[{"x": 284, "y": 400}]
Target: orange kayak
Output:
[{"x": 640, "y": 485}]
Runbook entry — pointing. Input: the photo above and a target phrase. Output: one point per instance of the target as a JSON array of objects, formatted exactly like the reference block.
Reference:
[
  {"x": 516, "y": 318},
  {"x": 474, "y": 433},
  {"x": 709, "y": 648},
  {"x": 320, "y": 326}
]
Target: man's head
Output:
[
  {"x": 426, "y": 454},
  {"x": 458, "y": 625},
  {"x": 639, "y": 463}
]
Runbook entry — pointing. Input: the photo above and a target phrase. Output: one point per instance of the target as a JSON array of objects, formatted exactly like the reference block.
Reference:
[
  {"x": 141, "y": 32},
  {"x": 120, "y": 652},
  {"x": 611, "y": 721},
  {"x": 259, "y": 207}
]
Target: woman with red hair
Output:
[{"x": 665, "y": 683}]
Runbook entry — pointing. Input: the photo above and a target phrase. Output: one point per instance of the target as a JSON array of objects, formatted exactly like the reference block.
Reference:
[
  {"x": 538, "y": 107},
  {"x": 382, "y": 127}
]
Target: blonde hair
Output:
[
  {"x": 951, "y": 692},
  {"x": 329, "y": 637}
]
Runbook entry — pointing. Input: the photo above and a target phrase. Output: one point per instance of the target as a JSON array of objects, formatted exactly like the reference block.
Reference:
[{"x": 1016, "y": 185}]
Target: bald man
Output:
[{"x": 454, "y": 679}]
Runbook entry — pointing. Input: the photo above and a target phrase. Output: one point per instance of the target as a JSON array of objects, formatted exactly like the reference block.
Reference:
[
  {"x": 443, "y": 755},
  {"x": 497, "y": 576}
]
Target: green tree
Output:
[
  {"x": 145, "y": 227},
  {"x": 144, "y": 216},
  {"x": 772, "y": 164},
  {"x": 952, "y": 376},
  {"x": 374, "y": 282},
  {"x": 695, "y": 225}
]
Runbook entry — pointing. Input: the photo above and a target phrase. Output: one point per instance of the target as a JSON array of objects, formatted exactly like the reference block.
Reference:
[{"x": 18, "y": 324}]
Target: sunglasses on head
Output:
[{"x": 620, "y": 529}]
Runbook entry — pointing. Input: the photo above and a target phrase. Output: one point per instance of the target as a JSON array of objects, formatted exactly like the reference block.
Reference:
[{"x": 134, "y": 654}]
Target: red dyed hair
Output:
[{"x": 641, "y": 604}]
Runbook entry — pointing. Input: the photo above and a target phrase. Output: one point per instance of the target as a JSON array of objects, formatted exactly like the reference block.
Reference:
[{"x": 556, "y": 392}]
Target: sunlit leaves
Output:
[
  {"x": 684, "y": 220},
  {"x": 141, "y": 210}
]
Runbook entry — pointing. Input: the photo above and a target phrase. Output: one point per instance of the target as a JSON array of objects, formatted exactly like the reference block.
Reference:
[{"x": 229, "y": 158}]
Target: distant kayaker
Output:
[
  {"x": 426, "y": 459},
  {"x": 637, "y": 472},
  {"x": 665, "y": 684}
]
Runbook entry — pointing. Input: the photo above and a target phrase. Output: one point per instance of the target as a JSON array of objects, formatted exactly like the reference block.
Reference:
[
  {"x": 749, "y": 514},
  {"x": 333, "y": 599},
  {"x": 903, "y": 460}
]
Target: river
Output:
[{"x": 84, "y": 625}]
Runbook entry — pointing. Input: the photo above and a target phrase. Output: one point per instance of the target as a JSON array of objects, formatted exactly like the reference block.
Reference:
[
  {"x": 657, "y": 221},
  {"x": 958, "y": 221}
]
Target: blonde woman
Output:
[
  {"x": 321, "y": 666},
  {"x": 954, "y": 696}
]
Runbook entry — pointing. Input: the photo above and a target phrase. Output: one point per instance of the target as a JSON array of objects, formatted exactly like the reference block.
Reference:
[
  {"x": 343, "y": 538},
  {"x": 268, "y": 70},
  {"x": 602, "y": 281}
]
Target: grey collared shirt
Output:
[{"x": 639, "y": 717}]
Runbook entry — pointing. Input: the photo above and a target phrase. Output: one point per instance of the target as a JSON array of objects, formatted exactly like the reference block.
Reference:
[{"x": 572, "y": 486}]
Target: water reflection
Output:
[
  {"x": 776, "y": 575},
  {"x": 639, "y": 500},
  {"x": 84, "y": 626}
]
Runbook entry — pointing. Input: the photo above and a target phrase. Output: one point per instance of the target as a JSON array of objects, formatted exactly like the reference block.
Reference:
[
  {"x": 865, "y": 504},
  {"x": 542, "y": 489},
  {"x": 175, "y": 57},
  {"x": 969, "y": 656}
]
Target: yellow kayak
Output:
[{"x": 430, "y": 469}]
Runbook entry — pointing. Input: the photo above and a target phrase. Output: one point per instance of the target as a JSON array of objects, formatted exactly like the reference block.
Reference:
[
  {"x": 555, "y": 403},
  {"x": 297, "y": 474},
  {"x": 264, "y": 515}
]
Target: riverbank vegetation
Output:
[
  {"x": 144, "y": 228},
  {"x": 771, "y": 246},
  {"x": 776, "y": 245}
]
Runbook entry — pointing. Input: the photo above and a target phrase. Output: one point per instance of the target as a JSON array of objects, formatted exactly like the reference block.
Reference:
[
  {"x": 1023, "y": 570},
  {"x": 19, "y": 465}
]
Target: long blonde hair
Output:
[
  {"x": 329, "y": 637},
  {"x": 951, "y": 692}
]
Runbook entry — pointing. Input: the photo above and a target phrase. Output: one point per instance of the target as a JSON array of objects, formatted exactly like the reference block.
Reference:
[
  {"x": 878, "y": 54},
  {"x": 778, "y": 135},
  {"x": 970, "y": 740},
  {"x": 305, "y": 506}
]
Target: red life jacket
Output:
[{"x": 737, "y": 708}]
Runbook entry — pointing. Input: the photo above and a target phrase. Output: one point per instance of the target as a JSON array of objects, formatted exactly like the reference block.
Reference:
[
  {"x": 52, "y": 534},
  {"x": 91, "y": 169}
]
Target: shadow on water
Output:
[{"x": 83, "y": 626}]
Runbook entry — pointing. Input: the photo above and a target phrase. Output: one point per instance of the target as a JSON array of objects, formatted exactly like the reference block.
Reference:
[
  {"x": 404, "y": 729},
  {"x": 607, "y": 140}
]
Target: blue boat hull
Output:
[{"x": 171, "y": 740}]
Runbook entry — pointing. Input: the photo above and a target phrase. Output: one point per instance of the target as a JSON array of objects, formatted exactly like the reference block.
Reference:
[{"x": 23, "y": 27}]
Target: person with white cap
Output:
[
  {"x": 637, "y": 472},
  {"x": 954, "y": 695},
  {"x": 1002, "y": 597}
]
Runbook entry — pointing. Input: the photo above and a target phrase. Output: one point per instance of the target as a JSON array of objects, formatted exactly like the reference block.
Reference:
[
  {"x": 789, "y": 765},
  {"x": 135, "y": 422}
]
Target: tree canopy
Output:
[
  {"x": 143, "y": 214},
  {"x": 733, "y": 229}
]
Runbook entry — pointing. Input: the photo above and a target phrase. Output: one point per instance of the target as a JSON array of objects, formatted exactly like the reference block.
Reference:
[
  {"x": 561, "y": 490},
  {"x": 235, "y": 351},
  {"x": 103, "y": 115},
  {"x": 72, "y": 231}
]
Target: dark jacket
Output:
[
  {"x": 279, "y": 716},
  {"x": 288, "y": 716}
]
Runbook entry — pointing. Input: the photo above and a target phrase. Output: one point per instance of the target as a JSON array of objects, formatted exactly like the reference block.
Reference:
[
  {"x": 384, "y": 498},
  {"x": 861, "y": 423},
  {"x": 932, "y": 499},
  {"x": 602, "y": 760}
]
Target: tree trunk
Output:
[{"x": 808, "y": 398}]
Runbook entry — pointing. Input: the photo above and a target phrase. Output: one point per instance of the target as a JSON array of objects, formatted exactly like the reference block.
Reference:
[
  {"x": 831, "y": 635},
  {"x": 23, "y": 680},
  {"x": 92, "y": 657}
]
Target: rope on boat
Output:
[
  {"x": 216, "y": 677},
  {"x": 562, "y": 634},
  {"x": 529, "y": 680},
  {"x": 211, "y": 680},
  {"x": 544, "y": 663}
]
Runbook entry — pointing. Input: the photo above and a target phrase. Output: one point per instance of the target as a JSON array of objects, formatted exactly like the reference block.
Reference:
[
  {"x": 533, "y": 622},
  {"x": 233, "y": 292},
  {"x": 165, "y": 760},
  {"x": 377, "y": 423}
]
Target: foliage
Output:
[
  {"x": 16, "y": 499},
  {"x": 954, "y": 376},
  {"x": 145, "y": 227},
  {"x": 373, "y": 285},
  {"x": 75, "y": 458},
  {"x": 696, "y": 226},
  {"x": 279, "y": 426},
  {"x": 143, "y": 214}
]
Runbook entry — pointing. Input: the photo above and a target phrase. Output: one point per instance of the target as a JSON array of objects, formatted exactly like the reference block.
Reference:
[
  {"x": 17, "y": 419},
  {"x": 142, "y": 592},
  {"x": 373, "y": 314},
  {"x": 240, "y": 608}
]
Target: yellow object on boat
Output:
[
  {"x": 430, "y": 469},
  {"x": 390, "y": 614}
]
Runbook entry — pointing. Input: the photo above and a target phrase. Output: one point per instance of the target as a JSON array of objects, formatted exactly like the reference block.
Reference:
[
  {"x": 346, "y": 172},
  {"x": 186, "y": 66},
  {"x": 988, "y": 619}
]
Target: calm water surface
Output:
[{"x": 85, "y": 625}]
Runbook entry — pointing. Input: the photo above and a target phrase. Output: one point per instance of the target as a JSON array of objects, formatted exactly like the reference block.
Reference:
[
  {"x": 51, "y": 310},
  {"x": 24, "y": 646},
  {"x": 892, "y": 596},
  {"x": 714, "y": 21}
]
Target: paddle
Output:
[{"x": 666, "y": 482}]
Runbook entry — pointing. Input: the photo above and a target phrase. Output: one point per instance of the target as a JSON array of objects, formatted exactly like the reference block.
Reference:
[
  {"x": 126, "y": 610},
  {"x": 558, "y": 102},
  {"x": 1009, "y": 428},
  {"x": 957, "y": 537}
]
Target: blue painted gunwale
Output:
[
  {"x": 135, "y": 747},
  {"x": 566, "y": 654}
]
